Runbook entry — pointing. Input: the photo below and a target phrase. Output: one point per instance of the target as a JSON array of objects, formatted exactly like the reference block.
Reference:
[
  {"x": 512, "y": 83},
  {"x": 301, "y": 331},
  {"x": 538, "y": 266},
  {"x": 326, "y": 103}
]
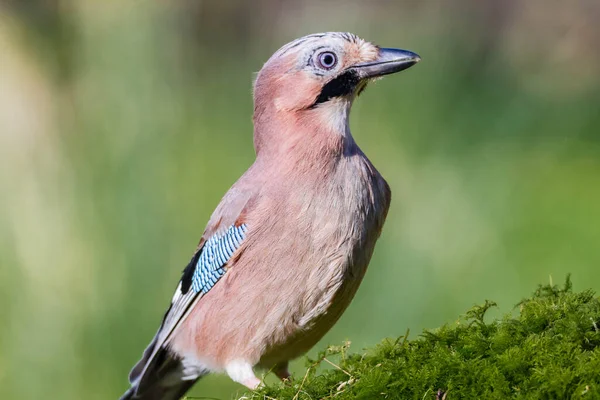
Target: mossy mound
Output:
[{"x": 551, "y": 350}]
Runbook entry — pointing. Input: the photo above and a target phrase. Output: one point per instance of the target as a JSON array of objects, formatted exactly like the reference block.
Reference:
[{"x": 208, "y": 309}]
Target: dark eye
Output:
[{"x": 327, "y": 60}]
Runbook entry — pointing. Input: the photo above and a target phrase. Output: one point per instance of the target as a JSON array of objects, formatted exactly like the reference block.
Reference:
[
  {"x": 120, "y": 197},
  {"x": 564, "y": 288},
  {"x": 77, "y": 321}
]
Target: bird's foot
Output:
[{"x": 282, "y": 372}]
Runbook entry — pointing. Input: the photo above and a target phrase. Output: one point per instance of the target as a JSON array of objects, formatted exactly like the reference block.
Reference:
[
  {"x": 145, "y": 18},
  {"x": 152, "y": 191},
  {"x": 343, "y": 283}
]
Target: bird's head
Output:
[{"x": 313, "y": 80}]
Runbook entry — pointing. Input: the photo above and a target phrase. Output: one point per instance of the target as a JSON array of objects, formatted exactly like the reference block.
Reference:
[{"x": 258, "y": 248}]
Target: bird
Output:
[{"x": 286, "y": 249}]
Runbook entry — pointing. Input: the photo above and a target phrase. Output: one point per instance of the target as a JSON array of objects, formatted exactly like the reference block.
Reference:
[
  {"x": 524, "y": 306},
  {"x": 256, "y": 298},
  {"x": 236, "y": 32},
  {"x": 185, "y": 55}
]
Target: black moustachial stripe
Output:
[{"x": 342, "y": 85}]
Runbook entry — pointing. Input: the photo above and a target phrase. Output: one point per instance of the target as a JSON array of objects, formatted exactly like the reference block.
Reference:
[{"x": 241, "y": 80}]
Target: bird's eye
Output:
[{"x": 327, "y": 60}]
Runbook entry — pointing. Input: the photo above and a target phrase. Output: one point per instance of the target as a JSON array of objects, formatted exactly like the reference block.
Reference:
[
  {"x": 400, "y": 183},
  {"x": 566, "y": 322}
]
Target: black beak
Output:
[{"x": 388, "y": 62}]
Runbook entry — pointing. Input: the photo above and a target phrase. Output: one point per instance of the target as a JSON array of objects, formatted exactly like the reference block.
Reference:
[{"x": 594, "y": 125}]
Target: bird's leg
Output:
[
  {"x": 241, "y": 372},
  {"x": 282, "y": 372}
]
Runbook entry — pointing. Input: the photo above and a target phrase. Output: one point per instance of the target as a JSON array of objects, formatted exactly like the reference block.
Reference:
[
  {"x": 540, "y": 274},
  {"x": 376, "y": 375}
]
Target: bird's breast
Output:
[
  {"x": 338, "y": 222},
  {"x": 346, "y": 218}
]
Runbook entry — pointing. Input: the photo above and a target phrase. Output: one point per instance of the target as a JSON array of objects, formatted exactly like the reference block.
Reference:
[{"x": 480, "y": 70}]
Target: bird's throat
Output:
[{"x": 334, "y": 116}]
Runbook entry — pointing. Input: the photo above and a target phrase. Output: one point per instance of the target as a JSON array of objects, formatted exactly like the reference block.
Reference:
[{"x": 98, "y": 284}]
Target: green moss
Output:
[{"x": 549, "y": 351}]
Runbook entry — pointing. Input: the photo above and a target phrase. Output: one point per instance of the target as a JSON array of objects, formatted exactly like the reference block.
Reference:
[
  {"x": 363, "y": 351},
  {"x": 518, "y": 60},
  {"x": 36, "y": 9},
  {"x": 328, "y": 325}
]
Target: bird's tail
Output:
[
  {"x": 159, "y": 392},
  {"x": 163, "y": 377},
  {"x": 128, "y": 395}
]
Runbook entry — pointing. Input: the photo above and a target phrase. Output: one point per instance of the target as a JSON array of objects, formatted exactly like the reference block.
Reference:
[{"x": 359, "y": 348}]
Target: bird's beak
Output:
[{"x": 389, "y": 61}]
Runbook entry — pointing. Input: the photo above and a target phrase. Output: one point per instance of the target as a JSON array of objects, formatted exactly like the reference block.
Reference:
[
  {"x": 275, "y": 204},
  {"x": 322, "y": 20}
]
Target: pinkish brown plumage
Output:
[{"x": 286, "y": 249}]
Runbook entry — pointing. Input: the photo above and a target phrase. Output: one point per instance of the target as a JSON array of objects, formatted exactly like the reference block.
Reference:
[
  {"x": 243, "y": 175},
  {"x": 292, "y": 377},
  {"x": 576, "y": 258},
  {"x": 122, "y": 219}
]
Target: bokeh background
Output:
[{"x": 122, "y": 123}]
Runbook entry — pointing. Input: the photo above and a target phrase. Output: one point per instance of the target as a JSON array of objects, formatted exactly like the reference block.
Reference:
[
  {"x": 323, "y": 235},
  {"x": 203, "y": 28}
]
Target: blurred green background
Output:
[{"x": 122, "y": 123}]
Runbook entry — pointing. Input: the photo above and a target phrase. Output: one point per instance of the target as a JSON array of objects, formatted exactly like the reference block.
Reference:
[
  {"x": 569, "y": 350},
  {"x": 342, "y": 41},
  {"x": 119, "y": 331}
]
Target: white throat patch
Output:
[{"x": 335, "y": 114}]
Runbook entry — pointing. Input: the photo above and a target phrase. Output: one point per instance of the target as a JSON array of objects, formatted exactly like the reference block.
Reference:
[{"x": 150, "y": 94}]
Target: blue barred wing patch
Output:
[{"x": 216, "y": 252}]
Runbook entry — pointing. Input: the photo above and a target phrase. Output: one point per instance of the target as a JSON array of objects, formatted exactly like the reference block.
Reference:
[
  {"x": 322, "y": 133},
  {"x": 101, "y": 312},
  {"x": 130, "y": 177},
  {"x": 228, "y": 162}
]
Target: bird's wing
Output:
[{"x": 220, "y": 242}]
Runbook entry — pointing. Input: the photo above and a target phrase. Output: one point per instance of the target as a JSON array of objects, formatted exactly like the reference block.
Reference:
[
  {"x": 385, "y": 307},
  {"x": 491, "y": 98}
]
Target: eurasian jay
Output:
[{"x": 287, "y": 247}]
